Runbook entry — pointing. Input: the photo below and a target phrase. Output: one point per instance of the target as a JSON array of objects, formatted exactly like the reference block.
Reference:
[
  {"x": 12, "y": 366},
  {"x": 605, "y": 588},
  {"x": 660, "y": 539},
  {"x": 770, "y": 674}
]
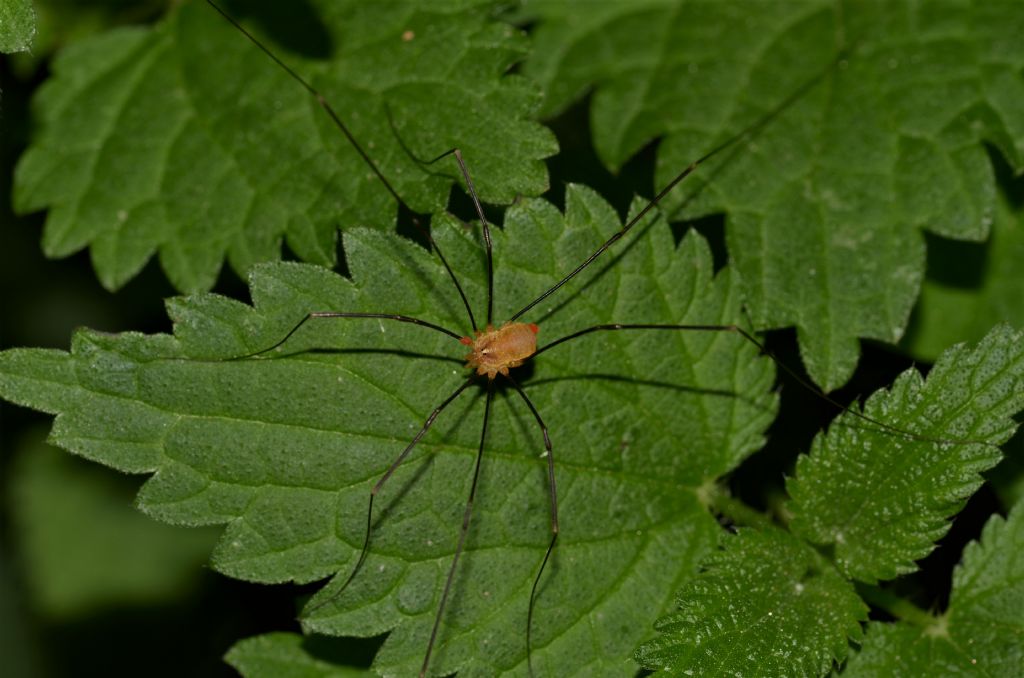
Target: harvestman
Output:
[{"x": 494, "y": 351}]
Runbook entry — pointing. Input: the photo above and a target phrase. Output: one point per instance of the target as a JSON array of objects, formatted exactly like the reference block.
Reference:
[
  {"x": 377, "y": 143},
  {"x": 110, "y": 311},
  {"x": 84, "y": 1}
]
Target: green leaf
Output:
[
  {"x": 881, "y": 500},
  {"x": 284, "y": 449},
  {"x": 65, "y": 512},
  {"x": 982, "y": 632},
  {"x": 273, "y": 655},
  {"x": 825, "y": 204},
  {"x": 766, "y": 604},
  {"x": 17, "y": 26},
  {"x": 970, "y": 288},
  {"x": 185, "y": 141}
]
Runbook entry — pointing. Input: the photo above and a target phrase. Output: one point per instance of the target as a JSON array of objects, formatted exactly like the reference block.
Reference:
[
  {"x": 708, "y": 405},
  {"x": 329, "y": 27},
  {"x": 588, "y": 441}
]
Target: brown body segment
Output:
[{"x": 497, "y": 350}]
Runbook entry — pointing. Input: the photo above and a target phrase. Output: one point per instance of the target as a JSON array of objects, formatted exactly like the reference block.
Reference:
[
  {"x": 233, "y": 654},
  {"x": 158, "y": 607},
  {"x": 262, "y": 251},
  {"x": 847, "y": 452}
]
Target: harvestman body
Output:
[{"x": 496, "y": 351}]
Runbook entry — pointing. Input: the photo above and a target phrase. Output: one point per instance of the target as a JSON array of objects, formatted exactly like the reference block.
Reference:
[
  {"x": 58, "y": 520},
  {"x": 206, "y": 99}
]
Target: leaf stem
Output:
[
  {"x": 898, "y": 607},
  {"x": 720, "y": 501}
]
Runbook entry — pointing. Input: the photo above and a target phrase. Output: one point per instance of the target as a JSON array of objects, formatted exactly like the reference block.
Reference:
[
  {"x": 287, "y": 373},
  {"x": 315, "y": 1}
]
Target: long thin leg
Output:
[
  {"x": 335, "y": 314},
  {"x": 463, "y": 531},
  {"x": 487, "y": 235},
  {"x": 380, "y": 484},
  {"x": 554, "y": 515},
  {"x": 326, "y": 106},
  {"x": 692, "y": 167},
  {"x": 735, "y": 329},
  {"x": 483, "y": 222}
]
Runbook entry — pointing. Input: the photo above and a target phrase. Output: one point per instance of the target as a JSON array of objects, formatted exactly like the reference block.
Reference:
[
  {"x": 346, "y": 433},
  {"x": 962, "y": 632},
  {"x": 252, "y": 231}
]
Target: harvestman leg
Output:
[
  {"x": 485, "y": 226},
  {"x": 380, "y": 484},
  {"x": 341, "y": 314},
  {"x": 736, "y": 329},
  {"x": 336, "y": 119},
  {"x": 750, "y": 130},
  {"x": 465, "y": 526},
  {"x": 404, "y": 453},
  {"x": 430, "y": 419},
  {"x": 325, "y": 105},
  {"x": 549, "y": 454},
  {"x": 322, "y": 102}
]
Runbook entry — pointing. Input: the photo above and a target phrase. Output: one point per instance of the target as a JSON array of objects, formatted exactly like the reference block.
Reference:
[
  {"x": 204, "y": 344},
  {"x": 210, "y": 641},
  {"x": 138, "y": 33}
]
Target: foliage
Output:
[
  {"x": 982, "y": 631},
  {"x": 772, "y": 596},
  {"x": 182, "y": 140},
  {"x": 70, "y": 513},
  {"x": 17, "y": 26},
  {"x": 879, "y": 500},
  {"x": 310, "y": 432},
  {"x": 277, "y": 654},
  {"x": 184, "y": 143}
]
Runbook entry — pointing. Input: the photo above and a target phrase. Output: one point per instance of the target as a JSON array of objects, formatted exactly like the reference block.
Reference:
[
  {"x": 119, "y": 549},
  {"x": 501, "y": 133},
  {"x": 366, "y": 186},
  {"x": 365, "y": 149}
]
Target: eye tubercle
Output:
[{"x": 533, "y": 328}]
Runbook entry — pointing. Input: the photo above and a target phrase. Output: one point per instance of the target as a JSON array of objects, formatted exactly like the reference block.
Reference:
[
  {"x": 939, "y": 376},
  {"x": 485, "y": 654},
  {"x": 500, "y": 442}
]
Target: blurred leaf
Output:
[
  {"x": 881, "y": 500},
  {"x": 86, "y": 548},
  {"x": 284, "y": 449},
  {"x": 60, "y": 22},
  {"x": 1007, "y": 479},
  {"x": 824, "y": 205},
  {"x": 274, "y": 655},
  {"x": 16, "y": 647},
  {"x": 982, "y": 632}
]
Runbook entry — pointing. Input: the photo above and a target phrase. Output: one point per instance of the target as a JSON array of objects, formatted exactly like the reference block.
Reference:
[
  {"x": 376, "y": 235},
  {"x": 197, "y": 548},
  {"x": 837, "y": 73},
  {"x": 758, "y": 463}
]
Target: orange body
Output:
[{"x": 497, "y": 350}]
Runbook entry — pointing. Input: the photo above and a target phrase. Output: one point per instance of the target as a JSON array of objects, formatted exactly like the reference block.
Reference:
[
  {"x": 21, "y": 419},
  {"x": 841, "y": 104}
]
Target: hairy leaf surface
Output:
[
  {"x": 880, "y": 499},
  {"x": 17, "y": 26},
  {"x": 770, "y": 603},
  {"x": 826, "y": 204},
  {"x": 982, "y": 632},
  {"x": 765, "y": 605},
  {"x": 184, "y": 140},
  {"x": 283, "y": 449}
]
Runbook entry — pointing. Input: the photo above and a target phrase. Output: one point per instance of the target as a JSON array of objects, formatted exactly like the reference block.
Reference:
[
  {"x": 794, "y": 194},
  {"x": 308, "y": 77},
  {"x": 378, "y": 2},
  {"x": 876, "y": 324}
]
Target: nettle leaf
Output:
[
  {"x": 982, "y": 631},
  {"x": 969, "y": 290},
  {"x": 766, "y": 604},
  {"x": 17, "y": 26},
  {"x": 286, "y": 654},
  {"x": 826, "y": 204},
  {"x": 284, "y": 449},
  {"x": 881, "y": 500},
  {"x": 769, "y": 603},
  {"x": 185, "y": 140}
]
